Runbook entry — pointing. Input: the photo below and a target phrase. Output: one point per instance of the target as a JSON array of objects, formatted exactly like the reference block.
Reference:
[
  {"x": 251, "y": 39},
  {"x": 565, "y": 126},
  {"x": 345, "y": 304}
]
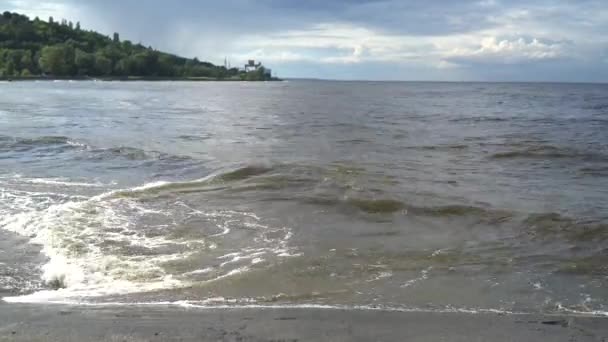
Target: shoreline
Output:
[
  {"x": 129, "y": 79},
  {"x": 54, "y": 322}
]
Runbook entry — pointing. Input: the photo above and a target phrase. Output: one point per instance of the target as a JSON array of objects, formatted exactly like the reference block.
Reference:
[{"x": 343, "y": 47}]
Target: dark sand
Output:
[{"x": 156, "y": 323}]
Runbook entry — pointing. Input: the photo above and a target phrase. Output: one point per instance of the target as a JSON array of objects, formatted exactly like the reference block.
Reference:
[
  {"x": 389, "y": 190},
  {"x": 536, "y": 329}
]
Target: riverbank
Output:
[{"x": 164, "y": 323}]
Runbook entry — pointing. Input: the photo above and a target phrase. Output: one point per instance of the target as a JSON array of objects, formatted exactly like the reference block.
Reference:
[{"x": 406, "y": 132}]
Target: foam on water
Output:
[
  {"x": 61, "y": 182},
  {"x": 99, "y": 245},
  {"x": 221, "y": 303},
  {"x": 424, "y": 275}
]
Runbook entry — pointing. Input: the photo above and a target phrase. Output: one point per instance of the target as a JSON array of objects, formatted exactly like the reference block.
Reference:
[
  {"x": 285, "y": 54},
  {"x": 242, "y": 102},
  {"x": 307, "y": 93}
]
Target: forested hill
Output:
[{"x": 62, "y": 49}]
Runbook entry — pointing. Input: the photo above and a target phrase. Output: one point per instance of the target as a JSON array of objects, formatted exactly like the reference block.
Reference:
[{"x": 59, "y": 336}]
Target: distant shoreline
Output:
[{"x": 129, "y": 79}]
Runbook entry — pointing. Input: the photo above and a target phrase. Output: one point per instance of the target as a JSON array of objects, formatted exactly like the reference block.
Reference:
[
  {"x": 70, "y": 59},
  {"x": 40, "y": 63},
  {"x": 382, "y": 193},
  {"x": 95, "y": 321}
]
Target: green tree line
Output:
[{"x": 62, "y": 49}]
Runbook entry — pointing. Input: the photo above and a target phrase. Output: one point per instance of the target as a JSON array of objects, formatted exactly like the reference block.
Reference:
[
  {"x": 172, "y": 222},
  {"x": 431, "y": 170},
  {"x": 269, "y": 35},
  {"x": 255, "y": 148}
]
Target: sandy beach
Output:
[{"x": 163, "y": 323}]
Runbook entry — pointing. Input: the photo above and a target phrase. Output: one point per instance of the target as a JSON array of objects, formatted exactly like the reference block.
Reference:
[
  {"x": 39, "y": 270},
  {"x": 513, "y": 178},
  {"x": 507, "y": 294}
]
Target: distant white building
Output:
[{"x": 252, "y": 66}]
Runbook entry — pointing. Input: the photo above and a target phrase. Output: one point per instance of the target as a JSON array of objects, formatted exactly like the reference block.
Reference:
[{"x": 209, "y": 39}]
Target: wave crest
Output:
[
  {"x": 549, "y": 152},
  {"x": 110, "y": 244}
]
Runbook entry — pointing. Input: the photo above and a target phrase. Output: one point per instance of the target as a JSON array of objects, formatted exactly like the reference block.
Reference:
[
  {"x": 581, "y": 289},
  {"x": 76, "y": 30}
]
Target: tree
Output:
[
  {"x": 15, "y": 56},
  {"x": 10, "y": 69},
  {"x": 26, "y": 61},
  {"x": 189, "y": 68},
  {"x": 127, "y": 46},
  {"x": 125, "y": 66},
  {"x": 57, "y": 60},
  {"x": 38, "y": 47},
  {"x": 103, "y": 65},
  {"x": 112, "y": 52},
  {"x": 165, "y": 66},
  {"x": 85, "y": 62}
]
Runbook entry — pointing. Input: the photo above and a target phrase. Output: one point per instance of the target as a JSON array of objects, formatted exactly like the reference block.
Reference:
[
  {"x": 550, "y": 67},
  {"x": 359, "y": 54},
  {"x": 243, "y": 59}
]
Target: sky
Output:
[{"x": 432, "y": 40}]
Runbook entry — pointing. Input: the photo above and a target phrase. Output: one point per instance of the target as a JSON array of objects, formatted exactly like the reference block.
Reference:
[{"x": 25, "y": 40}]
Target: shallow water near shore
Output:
[{"x": 465, "y": 197}]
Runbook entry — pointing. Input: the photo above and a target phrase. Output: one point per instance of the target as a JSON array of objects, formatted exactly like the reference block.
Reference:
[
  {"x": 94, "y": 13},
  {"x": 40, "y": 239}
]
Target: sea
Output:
[{"x": 401, "y": 196}]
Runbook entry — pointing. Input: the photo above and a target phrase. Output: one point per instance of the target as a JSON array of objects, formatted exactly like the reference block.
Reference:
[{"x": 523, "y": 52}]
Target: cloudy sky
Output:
[{"x": 452, "y": 40}]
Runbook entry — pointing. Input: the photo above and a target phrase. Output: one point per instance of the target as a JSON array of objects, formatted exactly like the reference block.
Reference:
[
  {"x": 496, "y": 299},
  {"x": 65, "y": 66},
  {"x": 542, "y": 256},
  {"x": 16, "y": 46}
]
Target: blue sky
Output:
[{"x": 444, "y": 40}]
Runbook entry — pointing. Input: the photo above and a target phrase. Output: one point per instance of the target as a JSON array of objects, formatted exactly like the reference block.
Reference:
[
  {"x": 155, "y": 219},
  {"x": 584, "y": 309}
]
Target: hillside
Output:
[{"x": 62, "y": 49}]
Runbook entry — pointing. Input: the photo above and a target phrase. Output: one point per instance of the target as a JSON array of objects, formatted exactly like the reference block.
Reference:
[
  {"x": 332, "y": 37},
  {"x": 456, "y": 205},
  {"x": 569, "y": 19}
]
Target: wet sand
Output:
[{"x": 158, "y": 323}]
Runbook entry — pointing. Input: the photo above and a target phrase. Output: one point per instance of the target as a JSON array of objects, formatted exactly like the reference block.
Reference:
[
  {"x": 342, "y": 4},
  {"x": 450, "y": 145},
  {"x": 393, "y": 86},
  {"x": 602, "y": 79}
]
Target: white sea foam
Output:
[
  {"x": 74, "y": 234},
  {"x": 438, "y": 252},
  {"x": 381, "y": 275},
  {"x": 424, "y": 275},
  {"x": 564, "y": 309},
  {"x": 201, "y": 271},
  {"x": 59, "y": 181},
  {"x": 78, "y": 144},
  {"x": 537, "y": 286},
  {"x": 221, "y": 303}
]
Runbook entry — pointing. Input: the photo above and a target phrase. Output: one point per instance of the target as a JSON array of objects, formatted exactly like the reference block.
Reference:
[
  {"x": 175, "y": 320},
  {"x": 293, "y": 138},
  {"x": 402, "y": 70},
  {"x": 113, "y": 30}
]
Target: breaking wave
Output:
[
  {"x": 113, "y": 244},
  {"x": 164, "y": 235}
]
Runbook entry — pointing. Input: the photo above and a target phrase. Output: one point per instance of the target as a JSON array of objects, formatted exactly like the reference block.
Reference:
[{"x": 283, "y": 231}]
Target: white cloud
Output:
[
  {"x": 337, "y": 43},
  {"x": 505, "y": 51},
  {"x": 487, "y": 3},
  {"x": 342, "y": 43}
]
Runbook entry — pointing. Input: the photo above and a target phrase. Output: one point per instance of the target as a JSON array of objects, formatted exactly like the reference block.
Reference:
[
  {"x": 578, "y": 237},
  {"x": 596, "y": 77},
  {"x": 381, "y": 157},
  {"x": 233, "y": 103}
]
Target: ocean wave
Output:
[
  {"x": 130, "y": 153},
  {"x": 597, "y": 106},
  {"x": 125, "y": 157},
  {"x": 43, "y": 140},
  {"x": 199, "y": 185},
  {"x": 304, "y": 187},
  {"x": 108, "y": 244},
  {"x": 138, "y": 239},
  {"x": 536, "y": 225},
  {"x": 336, "y": 186},
  {"x": 479, "y": 119},
  {"x": 325, "y": 187},
  {"x": 58, "y": 144},
  {"x": 8, "y": 143},
  {"x": 376, "y": 206},
  {"x": 392, "y": 206},
  {"x": 194, "y": 137},
  {"x": 440, "y": 147},
  {"x": 45, "y": 143},
  {"x": 550, "y": 152},
  {"x": 594, "y": 170},
  {"x": 554, "y": 225}
]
